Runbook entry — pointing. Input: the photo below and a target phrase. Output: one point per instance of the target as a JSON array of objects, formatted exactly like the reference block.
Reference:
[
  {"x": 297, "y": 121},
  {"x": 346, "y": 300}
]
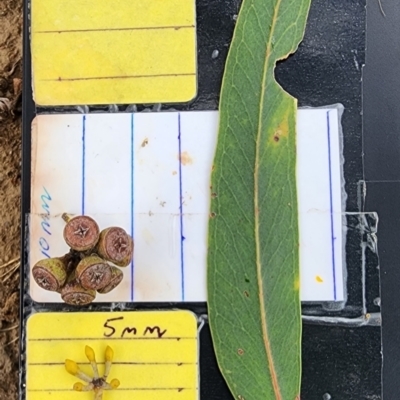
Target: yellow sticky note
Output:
[
  {"x": 155, "y": 354},
  {"x": 113, "y": 52}
]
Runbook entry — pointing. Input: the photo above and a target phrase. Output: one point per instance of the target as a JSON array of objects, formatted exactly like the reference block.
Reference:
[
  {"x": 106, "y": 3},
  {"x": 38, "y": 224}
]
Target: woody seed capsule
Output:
[
  {"x": 73, "y": 293},
  {"x": 116, "y": 278},
  {"x": 50, "y": 273},
  {"x": 116, "y": 246},
  {"x": 93, "y": 272},
  {"x": 81, "y": 233}
]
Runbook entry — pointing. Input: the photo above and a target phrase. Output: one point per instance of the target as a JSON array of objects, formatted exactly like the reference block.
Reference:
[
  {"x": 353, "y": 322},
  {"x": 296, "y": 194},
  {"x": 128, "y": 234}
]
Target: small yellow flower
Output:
[{"x": 97, "y": 384}]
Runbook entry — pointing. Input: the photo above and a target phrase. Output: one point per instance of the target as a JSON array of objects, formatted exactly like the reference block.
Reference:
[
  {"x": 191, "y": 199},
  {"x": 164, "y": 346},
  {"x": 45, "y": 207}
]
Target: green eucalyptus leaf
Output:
[{"x": 253, "y": 259}]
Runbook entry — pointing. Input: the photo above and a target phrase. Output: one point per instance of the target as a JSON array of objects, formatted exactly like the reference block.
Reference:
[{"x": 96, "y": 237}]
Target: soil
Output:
[{"x": 10, "y": 181}]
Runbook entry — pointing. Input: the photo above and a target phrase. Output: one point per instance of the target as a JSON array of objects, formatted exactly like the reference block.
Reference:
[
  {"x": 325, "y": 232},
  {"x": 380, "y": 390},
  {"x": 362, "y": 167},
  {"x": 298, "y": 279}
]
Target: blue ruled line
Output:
[
  {"x": 181, "y": 209},
  {"x": 83, "y": 162},
  {"x": 331, "y": 205},
  {"x": 132, "y": 202}
]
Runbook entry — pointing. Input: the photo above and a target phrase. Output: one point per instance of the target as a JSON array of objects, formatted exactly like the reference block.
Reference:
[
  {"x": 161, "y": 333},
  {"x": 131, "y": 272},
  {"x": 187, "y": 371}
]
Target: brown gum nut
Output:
[
  {"x": 93, "y": 272},
  {"x": 50, "y": 274},
  {"x": 116, "y": 246},
  {"x": 73, "y": 293},
  {"x": 81, "y": 233},
  {"x": 116, "y": 278}
]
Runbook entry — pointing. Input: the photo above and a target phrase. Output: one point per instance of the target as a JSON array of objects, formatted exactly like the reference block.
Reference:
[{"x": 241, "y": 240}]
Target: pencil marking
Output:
[
  {"x": 139, "y": 28},
  {"x": 92, "y": 78}
]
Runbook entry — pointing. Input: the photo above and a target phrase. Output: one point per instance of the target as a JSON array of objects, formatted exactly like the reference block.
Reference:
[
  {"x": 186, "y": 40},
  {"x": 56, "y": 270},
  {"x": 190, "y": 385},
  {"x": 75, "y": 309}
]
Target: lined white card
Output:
[{"x": 149, "y": 173}]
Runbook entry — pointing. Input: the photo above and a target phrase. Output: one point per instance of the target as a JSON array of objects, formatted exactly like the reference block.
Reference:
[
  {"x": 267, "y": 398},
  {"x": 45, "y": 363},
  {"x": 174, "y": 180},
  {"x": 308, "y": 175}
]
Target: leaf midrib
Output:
[{"x": 267, "y": 345}]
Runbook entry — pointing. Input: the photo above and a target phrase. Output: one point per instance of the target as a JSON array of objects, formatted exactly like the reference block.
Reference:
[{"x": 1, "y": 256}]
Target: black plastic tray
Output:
[{"x": 342, "y": 362}]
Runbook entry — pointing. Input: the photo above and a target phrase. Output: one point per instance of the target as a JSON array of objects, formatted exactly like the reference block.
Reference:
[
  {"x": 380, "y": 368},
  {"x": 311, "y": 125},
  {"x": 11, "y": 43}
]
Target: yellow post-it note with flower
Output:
[
  {"x": 113, "y": 52},
  {"x": 126, "y": 355}
]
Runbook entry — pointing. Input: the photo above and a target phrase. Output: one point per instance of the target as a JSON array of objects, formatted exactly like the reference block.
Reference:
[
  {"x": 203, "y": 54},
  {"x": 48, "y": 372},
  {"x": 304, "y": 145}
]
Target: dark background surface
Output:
[
  {"x": 382, "y": 171},
  {"x": 340, "y": 361},
  {"x": 383, "y": 197}
]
